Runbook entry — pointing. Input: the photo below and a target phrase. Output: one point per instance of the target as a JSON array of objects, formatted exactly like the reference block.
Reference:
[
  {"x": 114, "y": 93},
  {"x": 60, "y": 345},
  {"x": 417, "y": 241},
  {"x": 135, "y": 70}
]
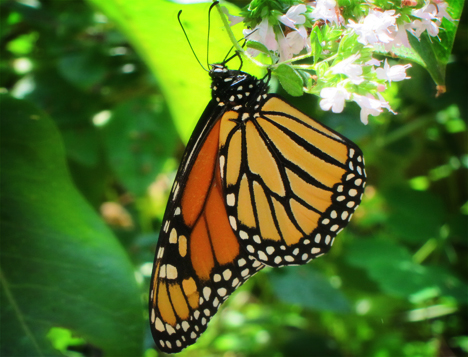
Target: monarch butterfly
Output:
[{"x": 260, "y": 184}]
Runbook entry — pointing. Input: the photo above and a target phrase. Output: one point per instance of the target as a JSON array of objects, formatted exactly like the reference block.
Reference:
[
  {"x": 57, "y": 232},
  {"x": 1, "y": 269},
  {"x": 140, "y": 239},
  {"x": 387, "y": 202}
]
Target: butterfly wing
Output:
[
  {"x": 290, "y": 183},
  {"x": 199, "y": 261},
  {"x": 260, "y": 184}
]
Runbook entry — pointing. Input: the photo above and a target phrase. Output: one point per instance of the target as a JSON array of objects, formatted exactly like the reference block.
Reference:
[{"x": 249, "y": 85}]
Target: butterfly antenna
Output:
[
  {"x": 226, "y": 59},
  {"x": 208, "y": 36},
  {"x": 185, "y": 33}
]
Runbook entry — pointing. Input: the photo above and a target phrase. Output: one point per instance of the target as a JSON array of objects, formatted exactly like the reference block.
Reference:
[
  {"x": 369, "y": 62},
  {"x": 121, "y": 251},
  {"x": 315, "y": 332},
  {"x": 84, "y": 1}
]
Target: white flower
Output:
[
  {"x": 334, "y": 98},
  {"x": 285, "y": 50},
  {"x": 385, "y": 104},
  {"x": 346, "y": 66},
  {"x": 264, "y": 34},
  {"x": 293, "y": 43},
  {"x": 376, "y": 27},
  {"x": 294, "y": 16},
  {"x": 420, "y": 26},
  {"x": 326, "y": 10},
  {"x": 288, "y": 45},
  {"x": 427, "y": 14},
  {"x": 369, "y": 105},
  {"x": 373, "y": 62},
  {"x": 296, "y": 40},
  {"x": 395, "y": 73},
  {"x": 400, "y": 37},
  {"x": 442, "y": 11},
  {"x": 234, "y": 20}
]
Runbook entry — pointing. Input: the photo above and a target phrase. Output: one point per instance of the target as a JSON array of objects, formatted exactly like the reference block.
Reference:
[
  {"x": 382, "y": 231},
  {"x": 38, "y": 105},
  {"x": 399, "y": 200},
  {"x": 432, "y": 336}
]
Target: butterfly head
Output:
[{"x": 235, "y": 88}]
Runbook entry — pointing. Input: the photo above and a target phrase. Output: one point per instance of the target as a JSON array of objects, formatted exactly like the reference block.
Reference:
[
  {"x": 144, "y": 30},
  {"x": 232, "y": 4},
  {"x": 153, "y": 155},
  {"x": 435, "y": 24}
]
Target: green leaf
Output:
[
  {"x": 139, "y": 139},
  {"x": 289, "y": 79},
  {"x": 82, "y": 69},
  {"x": 426, "y": 49},
  {"x": 60, "y": 265},
  {"x": 414, "y": 215},
  {"x": 391, "y": 266},
  {"x": 257, "y": 46},
  {"x": 307, "y": 287},
  {"x": 153, "y": 29}
]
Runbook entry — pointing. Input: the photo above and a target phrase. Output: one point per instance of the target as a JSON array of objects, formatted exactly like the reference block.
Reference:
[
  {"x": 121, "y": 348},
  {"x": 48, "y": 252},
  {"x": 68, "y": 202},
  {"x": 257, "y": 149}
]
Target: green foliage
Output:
[
  {"x": 432, "y": 54},
  {"x": 61, "y": 266},
  {"x": 289, "y": 79},
  {"x": 108, "y": 92}
]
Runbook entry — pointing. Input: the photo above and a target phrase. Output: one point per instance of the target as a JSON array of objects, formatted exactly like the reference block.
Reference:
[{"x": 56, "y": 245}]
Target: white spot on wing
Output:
[
  {"x": 160, "y": 252},
  {"x": 173, "y": 236},
  {"x": 159, "y": 325},
  {"x": 170, "y": 329},
  {"x": 233, "y": 222},
  {"x": 162, "y": 271},
  {"x": 206, "y": 292},
  {"x": 215, "y": 302},
  {"x": 231, "y": 199},
  {"x": 262, "y": 256},
  {"x": 227, "y": 274},
  {"x": 222, "y": 161},
  {"x": 171, "y": 272},
  {"x": 243, "y": 235}
]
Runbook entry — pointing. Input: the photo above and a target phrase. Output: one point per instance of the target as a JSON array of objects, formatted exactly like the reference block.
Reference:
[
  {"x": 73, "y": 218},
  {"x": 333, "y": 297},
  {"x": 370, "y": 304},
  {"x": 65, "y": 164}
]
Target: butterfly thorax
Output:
[{"x": 236, "y": 89}]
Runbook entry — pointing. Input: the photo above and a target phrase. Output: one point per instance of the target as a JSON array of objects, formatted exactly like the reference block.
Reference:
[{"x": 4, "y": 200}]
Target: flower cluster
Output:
[{"x": 338, "y": 44}]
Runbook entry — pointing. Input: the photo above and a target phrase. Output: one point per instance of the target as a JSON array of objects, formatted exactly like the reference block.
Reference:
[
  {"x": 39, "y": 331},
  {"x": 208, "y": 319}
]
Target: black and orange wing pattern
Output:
[{"x": 260, "y": 184}]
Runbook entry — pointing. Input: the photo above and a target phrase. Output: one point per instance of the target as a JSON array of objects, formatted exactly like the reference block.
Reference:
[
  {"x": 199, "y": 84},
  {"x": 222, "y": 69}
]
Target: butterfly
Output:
[{"x": 260, "y": 184}]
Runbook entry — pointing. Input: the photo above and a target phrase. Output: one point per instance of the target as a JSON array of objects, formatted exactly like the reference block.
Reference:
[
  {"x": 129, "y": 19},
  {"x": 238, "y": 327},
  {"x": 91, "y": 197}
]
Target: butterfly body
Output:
[{"x": 260, "y": 184}]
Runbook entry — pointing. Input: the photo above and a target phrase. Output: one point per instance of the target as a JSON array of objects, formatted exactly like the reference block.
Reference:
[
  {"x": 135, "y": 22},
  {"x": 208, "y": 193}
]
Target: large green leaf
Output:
[
  {"x": 307, "y": 287},
  {"x": 60, "y": 265},
  {"x": 153, "y": 29},
  {"x": 139, "y": 139},
  {"x": 391, "y": 266}
]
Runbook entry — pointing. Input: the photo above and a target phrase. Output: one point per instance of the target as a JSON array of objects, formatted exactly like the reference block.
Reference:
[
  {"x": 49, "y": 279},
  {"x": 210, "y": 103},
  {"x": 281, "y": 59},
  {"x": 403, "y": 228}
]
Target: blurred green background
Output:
[{"x": 98, "y": 98}]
